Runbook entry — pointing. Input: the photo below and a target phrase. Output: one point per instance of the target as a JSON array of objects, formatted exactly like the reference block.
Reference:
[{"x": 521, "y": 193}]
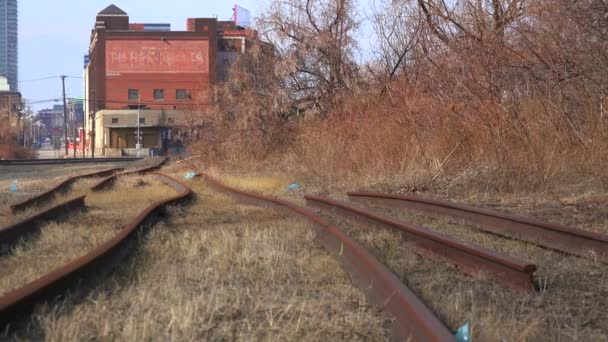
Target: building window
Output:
[
  {"x": 142, "y": 121},
  {"x": 114, "y": 120},
  {"x": 227, "y": 45},
  {"x": 170, "y": 120},
  {"x": 181, "y": 94},
  {"x": 159, "y": 94},
  {"x": 133, "y": 94}
]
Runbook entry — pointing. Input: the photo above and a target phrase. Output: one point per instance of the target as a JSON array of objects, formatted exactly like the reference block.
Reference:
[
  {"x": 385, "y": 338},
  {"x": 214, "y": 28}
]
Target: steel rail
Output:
[
  {"x": 21, "y": 162},
  {"x": 558, "y": 237},
  {"x": 12, "y": 234},
  {"x": 107, "y": 182},
  {"x": 412, "y": 319},
  {"x": 471, "y": 259},
  {"x": 62, "y": 186},
  {"x": 84, "y": 270}
]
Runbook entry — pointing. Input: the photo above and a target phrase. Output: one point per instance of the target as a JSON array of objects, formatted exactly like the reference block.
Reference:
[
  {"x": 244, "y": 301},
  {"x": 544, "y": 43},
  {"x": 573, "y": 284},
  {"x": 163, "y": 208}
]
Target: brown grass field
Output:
[
  {"x": 215, "y": 270},
  {"x": 571, "y": 302}
]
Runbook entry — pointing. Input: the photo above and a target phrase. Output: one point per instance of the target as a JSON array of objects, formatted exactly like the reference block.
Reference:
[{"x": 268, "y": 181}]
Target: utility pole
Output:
[
  {"x": 92, "y": 118},
  {"x": 10, "y": 113},
  {"x": 85, "y": 118},
  {"x": 138, "y": 144},
  {"x": 65, "y": 116},
  {"x": 74, "y": 129}
]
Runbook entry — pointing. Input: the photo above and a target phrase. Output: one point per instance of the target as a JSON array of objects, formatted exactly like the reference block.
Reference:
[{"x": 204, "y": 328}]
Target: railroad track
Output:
[
  {"x": 412, "y": 318},
  {"x": 558, "y": 237},
  {"x": 63, "y": 186},
  {"x": 12, "y": 234},
  {"x": 89, "y": 267},
  {"x": 21, "y": 162},
  {"x": 30, "y": 225},
  {"x": 471, "y": 259},
  {"x": 107, "y": 182}
]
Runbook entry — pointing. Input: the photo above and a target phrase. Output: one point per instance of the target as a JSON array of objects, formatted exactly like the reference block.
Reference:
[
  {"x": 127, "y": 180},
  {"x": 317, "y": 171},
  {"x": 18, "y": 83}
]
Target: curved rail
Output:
[
  {"x": 472, "y": 259},
  {"x": 10, "y": 235},
  {"x": 106, "y": 182},
  {"x": 413, "y": 320},
  {"x": 45, "y": 196},
  {"x": 20, "y": 162},
  {"x": 562, "y": 238},
  {"x": 98, "y": 262}
]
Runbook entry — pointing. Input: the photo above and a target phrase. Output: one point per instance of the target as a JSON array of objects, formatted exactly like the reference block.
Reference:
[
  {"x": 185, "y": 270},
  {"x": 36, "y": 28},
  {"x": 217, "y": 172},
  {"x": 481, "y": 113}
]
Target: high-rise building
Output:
[{"x": 8, "y": 42}]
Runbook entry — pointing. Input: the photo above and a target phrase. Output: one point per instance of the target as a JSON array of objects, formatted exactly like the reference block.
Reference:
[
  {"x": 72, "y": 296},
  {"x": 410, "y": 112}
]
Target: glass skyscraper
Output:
[{"x": 8, "y": 42}]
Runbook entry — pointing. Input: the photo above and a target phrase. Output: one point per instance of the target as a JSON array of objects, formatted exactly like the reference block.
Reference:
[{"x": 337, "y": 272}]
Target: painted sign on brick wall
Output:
[{"x": 158, "y": 56}]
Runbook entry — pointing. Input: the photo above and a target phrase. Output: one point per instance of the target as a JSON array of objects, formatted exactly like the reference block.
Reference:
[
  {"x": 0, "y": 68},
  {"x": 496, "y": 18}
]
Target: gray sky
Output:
[{"x": 54, "y": 36}]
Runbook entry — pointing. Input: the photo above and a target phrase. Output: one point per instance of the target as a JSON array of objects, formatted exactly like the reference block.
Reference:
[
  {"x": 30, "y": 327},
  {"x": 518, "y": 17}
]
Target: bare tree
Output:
[
  {"x": 398, "y": 32},
  {"x": 314, "y": 44}
]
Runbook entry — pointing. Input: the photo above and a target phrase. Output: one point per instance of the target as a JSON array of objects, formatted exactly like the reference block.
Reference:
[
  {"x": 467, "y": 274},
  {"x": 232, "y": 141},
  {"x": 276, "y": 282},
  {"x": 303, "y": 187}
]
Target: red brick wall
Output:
[
  {"x": 136, "y": 27},
  {"x": 150, "y": 63},
  {"x": 117, "y": 89}
]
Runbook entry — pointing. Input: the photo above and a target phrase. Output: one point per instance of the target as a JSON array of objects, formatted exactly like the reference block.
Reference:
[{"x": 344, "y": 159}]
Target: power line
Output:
[
  {"x": 29, "y": 102},
  {"x": 49, "y": 78},
  {"x": 38, "y": 79}
]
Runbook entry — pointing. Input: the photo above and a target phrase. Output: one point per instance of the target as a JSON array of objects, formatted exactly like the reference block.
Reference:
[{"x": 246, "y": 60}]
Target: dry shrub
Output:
[
  {"x": 11, "y": 151},
  {"x": 488, "y": 94},
  {"x": 419, "y": 138},
  {"x": 240, "y": 125}
]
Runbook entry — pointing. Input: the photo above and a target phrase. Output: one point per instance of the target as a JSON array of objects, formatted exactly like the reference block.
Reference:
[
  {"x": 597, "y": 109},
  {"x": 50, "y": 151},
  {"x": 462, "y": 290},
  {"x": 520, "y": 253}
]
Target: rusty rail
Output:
[
  {"x": 471, "y": 259},
  {"x": 98, "y": 262},
  {"x": 62, "y": 186},
  {"x": 107, "y": 182},
  {"x": 562, "y": 238},
  {"x": 21, "y": 162},
  {"x": 412, "y": 319},
  {"x": 10, "y": 235}
]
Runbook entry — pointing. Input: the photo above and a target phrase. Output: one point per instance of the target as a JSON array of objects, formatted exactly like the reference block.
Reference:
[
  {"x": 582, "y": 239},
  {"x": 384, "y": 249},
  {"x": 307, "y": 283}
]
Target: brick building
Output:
[
  {"x": 151, "y": 72},
  {"x": 11, "y": 125},
  {"x": 45, "y": 116}
]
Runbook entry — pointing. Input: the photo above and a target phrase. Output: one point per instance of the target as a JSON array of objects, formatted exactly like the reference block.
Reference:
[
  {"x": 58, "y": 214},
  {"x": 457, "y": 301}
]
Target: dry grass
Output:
[
  {"x": 60, "y": 242},
  {"x": 220, "y": 271},
  {"x": 25, "y": 189},
  {"x": 261, "y": 184},
  {"x": 77, "y": 189}
]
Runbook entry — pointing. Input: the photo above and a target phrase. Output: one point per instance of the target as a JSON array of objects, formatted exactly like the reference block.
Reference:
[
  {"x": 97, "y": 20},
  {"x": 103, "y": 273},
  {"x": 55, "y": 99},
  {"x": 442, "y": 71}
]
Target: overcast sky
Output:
[{"x": 54, "y": 36}]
